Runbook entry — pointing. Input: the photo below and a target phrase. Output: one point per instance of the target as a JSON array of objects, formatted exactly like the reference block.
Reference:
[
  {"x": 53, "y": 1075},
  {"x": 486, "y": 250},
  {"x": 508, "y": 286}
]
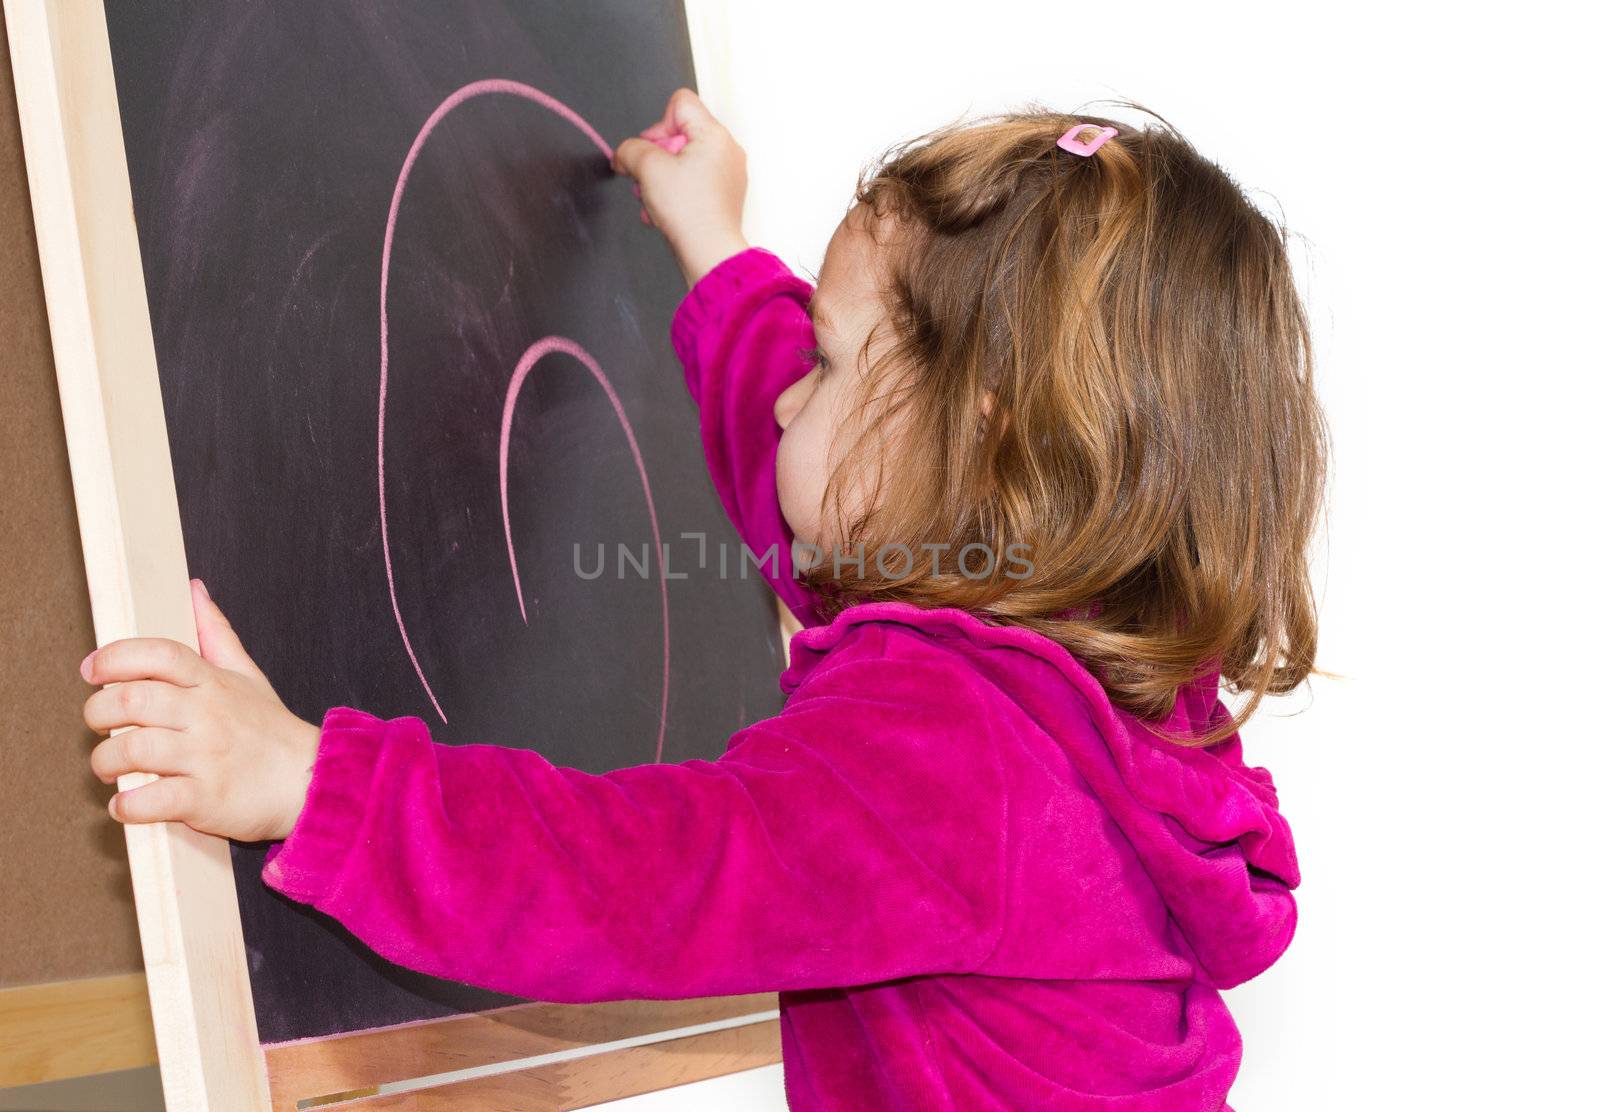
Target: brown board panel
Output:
[{"x": 67, "y": 901}]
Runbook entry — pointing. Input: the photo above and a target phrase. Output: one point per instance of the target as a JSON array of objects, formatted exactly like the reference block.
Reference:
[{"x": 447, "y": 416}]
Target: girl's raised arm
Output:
[
  {"x": 741, "y": 334},
  {"x": 741, "y": 330}
]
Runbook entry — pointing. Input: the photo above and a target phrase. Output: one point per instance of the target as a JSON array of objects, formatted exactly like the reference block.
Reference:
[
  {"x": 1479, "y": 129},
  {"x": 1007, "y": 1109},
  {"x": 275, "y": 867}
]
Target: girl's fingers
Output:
[
  {"x": 631, "y": 155},
  {"x": 686, "y": 118},
  {"x": 135, "y": 703},
  {"x": 144, "y": 658},
  {"x": 169, "y": 799},
  {"x": 219, "y": 644},
  {"x": 147, "y": 749},
  {"x": 688, "y": 115},
  {"x": 667, "y": 124}
]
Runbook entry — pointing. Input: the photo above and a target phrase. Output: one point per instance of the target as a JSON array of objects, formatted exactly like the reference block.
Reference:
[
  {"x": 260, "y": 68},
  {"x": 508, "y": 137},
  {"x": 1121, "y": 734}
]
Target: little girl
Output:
[{"x": 1041, "y": 459}]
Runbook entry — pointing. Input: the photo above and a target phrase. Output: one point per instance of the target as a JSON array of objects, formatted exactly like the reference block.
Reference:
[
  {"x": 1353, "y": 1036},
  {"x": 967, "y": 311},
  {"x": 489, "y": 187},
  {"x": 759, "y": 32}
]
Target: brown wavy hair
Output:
[{"x": 1154, "y": 440}]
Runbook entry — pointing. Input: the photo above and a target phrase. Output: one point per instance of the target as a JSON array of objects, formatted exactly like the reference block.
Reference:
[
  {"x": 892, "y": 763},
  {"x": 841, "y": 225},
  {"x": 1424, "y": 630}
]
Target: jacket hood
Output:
[{"x": 1205, "y": 825}]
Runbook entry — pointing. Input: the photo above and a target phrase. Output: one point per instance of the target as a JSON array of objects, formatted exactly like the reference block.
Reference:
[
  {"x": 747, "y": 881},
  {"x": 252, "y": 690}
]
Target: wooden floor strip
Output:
[
  {"x": 360, "y": 1063},
  {"x": 67, "y": 1029},
  {"x": 597, "y": 1078}
]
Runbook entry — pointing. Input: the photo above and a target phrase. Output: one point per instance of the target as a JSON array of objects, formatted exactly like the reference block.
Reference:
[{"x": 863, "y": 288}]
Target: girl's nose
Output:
[{"x": 792, "y": 400}]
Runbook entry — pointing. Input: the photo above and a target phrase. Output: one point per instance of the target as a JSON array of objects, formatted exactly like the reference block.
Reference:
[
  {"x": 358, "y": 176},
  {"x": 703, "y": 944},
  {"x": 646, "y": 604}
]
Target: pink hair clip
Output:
[{"x": 1073, "y": 145}]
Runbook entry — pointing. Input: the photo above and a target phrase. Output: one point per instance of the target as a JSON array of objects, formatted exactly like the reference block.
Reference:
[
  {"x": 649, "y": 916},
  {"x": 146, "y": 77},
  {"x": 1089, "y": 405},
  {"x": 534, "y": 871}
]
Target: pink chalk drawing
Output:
[{"x": 530, "y": 358}]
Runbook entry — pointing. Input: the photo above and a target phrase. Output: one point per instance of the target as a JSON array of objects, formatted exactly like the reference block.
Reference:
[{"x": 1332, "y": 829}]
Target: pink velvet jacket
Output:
[{"x": 973, "y": 881}]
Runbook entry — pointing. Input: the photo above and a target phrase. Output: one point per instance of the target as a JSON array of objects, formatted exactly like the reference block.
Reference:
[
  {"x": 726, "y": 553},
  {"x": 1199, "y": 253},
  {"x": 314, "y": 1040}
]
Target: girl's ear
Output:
[
  {"x": 985, "y": 407},
  {"x": 986, "y": 427}
]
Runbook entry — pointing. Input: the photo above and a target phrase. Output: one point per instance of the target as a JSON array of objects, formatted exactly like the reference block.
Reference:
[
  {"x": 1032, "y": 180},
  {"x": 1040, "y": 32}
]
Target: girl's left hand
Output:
[{"x": 233, "y": 760}]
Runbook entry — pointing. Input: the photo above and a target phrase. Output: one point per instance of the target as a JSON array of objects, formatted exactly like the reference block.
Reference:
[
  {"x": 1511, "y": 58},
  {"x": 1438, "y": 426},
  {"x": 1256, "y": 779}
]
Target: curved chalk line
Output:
[{"x": 524, "y": 365}]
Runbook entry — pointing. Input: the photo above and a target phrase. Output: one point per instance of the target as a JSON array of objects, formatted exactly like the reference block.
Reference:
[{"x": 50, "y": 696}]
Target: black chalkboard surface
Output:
[{"x": 397, "y": 221}]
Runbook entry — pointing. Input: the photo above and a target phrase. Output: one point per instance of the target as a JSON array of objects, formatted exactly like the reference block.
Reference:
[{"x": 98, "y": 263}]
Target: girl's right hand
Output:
[{"x": 696, "y": 195}]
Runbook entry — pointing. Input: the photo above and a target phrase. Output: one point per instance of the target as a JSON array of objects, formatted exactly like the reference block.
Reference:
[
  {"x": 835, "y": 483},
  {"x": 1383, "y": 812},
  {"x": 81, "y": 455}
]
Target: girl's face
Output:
[{"x": 822, "y": 414}]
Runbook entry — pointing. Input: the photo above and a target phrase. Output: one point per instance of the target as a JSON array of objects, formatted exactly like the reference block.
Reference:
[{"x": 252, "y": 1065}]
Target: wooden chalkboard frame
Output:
[
  {"x": 187, "y": 907},
  {"x": 127, "y": 505}
]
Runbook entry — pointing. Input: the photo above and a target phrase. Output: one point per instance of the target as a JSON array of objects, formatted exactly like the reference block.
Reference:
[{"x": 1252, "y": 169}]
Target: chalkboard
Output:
[{"x": 413, "y": 349}]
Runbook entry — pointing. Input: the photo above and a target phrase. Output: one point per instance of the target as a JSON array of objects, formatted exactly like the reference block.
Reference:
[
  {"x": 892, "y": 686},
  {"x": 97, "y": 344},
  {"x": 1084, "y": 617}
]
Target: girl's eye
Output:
[{"x": 815, "y": 357}]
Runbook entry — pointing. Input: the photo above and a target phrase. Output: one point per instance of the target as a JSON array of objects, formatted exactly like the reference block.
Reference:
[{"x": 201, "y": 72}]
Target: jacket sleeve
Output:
[
  {"x": 855, "y": 838},
  {"x": 741, "y": 333}
]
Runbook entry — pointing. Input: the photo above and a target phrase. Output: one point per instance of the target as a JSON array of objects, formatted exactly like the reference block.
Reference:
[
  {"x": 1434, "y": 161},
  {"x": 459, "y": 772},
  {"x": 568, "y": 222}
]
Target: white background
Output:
[{"x": 1437, "y": 165}]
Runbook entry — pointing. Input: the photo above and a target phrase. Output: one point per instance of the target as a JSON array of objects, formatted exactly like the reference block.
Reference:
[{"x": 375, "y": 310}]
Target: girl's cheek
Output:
[{"x": 794, "y": 480}]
